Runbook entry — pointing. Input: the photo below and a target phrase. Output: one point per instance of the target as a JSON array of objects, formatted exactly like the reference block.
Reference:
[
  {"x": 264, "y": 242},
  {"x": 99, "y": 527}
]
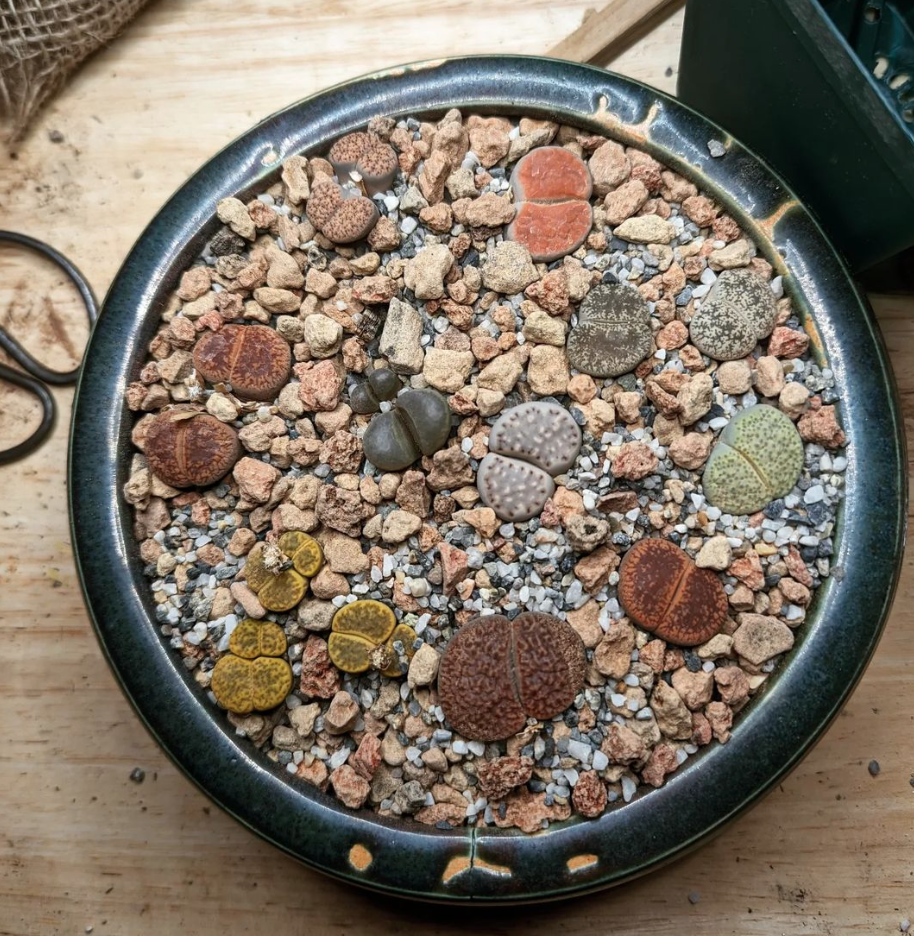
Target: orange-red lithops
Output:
[
  {"x": 551, "y": 190},
  {"x": 663, "y": 590},
  {"x": 496, "y": 673},
  {"x": 256, "y": 360},
  {"x": 189, "y": 449}
]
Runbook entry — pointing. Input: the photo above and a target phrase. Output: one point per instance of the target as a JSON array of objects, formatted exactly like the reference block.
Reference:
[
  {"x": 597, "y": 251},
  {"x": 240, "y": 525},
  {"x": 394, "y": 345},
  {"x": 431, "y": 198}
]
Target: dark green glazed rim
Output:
[{"x": 774, "y": 732}]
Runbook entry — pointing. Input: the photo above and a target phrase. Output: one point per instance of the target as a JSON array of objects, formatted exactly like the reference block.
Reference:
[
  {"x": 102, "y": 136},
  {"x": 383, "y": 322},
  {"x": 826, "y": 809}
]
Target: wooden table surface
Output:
[{"x": 83, "y": 847}]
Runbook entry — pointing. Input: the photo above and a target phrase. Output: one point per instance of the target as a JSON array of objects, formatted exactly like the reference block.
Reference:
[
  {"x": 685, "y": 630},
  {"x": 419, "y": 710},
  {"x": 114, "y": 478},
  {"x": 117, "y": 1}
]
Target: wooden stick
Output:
[{"x": 604, "y": 28}]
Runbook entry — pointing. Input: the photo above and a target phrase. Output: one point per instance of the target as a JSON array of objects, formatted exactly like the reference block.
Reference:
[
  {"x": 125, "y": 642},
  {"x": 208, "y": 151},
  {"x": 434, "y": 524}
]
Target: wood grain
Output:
[{"x": 829, "y": 852}]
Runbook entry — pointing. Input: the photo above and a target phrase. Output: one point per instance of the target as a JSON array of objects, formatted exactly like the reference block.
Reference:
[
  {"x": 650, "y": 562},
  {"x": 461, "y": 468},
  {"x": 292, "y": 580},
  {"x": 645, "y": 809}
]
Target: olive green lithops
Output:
[
  {"x": 418, "y": 424},
  {"x": 613, "y": 332},
  {"x": 252, "y": 677},
  {"x": 363, "y": 636},
  {"x": 758, "y": 457},
  {"x": 284, "y": 591},
  {"x": 366, "y": 397},
  {"x": 738, "y": 311},
  {"x": 304, "y": 551}
]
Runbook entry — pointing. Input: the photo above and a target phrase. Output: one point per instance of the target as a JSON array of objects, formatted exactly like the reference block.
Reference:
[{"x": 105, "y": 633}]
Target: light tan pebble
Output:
[
  {"x": 255, "y": 479},
  {"x": 695, "y": 398},
  {"x": 586, "y": 622},
  {"x": 460, "y": 184},
  {"x": 581, "y": 388},
  {"x": 501, "y": 374},
  {"x": 489, "y": 210},
  {"x": 675, "y": 187},
  {"x": 424, "y": 274},
  {"x": 672, "y": 714},
  {"x": 248, "y": 600},
  {"x": 321, "y": 283},
  {"x": 323, "y": 335},
  {"x": 628, "y": 405},
  {"x": 737, "y": 254},
  {"x": 399, "y": 525},
  {"x": 625, "y": 201},
  {"x": 720, "y": 645},
  {"x": 691, "y": 450},
  {"x": 794, "y": 399},
  {"x": 316, "y": 615},
  {"x": 328, "y": 584},
  {"x": 291, "y": 328},
  {"x": 508, "y": 269},
  {"x": 392, "y": 752},
  {"x": 490, "y": 144},
  {"x": 295, "y": 179},
  {"x": 220, "y": 406},
  {"x": 372, "y": 527},
  {"x": 795, "y": 592},
  {"x": 388, "y": 485},
  {"x": 612, "y": 657},
  {"x": 715, "y": 554},
  {"x": 634, "y": 461},
  {"x": 489, "y": 402},
  {"x": 769, "y": 376},
  {"x": 366, "y": 264},
  {"x": 284, "y": 272},
  {"x": 447, "y": 370},
  {"x": 304, "y": 492},
  {"x": 302, "y": 718},
  {"x": 400, "y": 338},
  {"x": 343, "y": 553},
  {"x": 199, "y": 307},
  {"x": 435, "y": 759},
  {"x": 542, "y": 328},
  {"x": 232, "y": 212},
  {"x": 466, "y": 496},
  {"x": 342, "y": 713},
  {"x": 609, "y": 167},
  {"x": 423, "y": 668},
  {"x": 333, "y": 420},
  {"x": 760, "y": 637},
  {"x": 734, "y": 377},
  {"x": 720, "y": 718},
  {"x": 482, "y": 519},
  {"x": 667, "y": 429},
  {"x": 547, "y": 370},
  {"x": 671, "y": 336},
  {"x": 646, "y": 229},
  {"x": 241, "y": 542},
  {"x": 294, "y": 518},
  {"x": 593, "y": 571},
  {"x": 695, "y": 689},
  {"x": 195, "y": 282}
]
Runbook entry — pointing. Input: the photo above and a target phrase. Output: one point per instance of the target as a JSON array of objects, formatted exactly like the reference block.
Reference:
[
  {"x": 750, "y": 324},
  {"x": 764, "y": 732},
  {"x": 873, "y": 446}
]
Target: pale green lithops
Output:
[
  {"x": 613, "y": 332},
  {"x": 738, "y": 311},
  {"x": 758, "y": 457}
]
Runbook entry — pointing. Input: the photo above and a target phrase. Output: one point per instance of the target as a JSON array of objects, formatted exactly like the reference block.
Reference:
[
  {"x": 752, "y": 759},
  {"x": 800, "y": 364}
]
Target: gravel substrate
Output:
[{"x": 492, "y": 333}]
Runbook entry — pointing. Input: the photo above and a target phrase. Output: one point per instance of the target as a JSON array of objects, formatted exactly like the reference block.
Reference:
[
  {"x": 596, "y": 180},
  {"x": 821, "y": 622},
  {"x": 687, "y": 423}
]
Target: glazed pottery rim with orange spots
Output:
[{"x": 467, "y": 865}]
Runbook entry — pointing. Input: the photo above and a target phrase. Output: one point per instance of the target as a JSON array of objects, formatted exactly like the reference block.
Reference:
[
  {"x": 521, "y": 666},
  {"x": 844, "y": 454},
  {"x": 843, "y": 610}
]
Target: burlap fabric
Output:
[{"x": 42, "y": 42}]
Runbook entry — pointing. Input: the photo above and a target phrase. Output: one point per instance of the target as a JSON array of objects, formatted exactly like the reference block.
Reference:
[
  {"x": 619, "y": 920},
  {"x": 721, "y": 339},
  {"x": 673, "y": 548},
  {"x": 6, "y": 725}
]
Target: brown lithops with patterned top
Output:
[
  {"x": 374, "y": 160},
  {"x": 340, "y": 219},
  {"x": 256, "y": 360},
  {"x": 663, "y": 590},
  {"x": 188, "y": 449},
  {"x": 496, "y": 673}
]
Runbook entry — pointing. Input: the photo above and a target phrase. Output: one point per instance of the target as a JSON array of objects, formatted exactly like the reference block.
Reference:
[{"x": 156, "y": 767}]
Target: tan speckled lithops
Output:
[
  {"x": 375, "y": 162},
  {"x": 758, "y": 457},
  {"x": 738, "y": 311},
  {"x": 340, "y": 219},
  {"x": 613, "y": 332}
]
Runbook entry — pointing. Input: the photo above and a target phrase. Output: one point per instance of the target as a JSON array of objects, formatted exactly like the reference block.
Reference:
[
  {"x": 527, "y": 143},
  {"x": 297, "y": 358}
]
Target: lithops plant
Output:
[
  {"x": 365, "y": 635},
  {"x": 551, "y": 187},
  {"x": 418, "y": 424},
  {"x": 185, "y": 448},
  {"x": 280, "y": 574},
  {"x": 613, "y": 333},
  {"x": 370, "y": 159},
  {"x": 496, "y": 673},
  {"x": 758, "y": 457},
  {"x": 342, "y": 218},
  {"x": 252, "y": 677},
  {"x": 738, "y": 311},
  {"x": 256, "y": 360},
  {"x": 527, "y": 445},
  {"x": 663, "y": 590},
  {"x": 366, "y": 397}
]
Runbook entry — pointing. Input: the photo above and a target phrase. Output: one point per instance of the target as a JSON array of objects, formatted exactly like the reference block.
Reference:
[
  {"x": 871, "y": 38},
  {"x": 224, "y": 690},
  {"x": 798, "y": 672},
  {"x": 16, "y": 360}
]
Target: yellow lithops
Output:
[
  {"x": 252, "y": 676},
  {"x": 363, "y": 635},
  {"x": 282, "y": 589}
]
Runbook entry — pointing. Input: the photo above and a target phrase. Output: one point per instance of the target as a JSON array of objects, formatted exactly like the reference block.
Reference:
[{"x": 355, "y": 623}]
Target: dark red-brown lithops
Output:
[
  {"x": 256, "y": 360},
  {"x": 188, "y": 449},
  {"x": 663, "y": 590},
  {"x": 496, "y": 673}
]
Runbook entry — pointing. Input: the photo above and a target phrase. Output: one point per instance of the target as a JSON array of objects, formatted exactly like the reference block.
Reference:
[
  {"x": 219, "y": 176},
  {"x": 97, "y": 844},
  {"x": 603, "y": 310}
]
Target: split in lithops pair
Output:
[
  {"x": 279, "y": 575},
  {"x": 496, "y": 673},
  {"x": 552, "y": 188},
  {"x": 419, "y": 423},
  {"x": 186, "y": 448},
  {"x": 381, "y": 385},
  {"x": 365, "y": 635},
  {"x": 254, "y": 359},
  {"x": 342, "y": 217},
  {"x": 663, "y": 590},
  {"x": 758, "y": 457},
  {"x": 366, "y": 159},
  {"x": 613, "y": 331},
  {"x": 252, "y": 677},
  {"x": 738, "y": 311},
  {"x": 527, "y": 446}
]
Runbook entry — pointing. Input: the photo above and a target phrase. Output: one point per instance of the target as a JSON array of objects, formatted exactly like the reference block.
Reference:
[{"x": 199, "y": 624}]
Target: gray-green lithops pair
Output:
[
  {"x": 418, "y": 424},
  {"x": 738, "y": 311},
  {"x": 382, "y": 384},
  {"x": 613, "y": 333},
  {"x": 758, "y": 457}
]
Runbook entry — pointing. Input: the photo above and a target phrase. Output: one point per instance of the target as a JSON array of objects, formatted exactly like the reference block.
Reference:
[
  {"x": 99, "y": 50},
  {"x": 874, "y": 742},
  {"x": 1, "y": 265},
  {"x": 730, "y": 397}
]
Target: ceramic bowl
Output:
[{"x": 715, "y": 786}]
